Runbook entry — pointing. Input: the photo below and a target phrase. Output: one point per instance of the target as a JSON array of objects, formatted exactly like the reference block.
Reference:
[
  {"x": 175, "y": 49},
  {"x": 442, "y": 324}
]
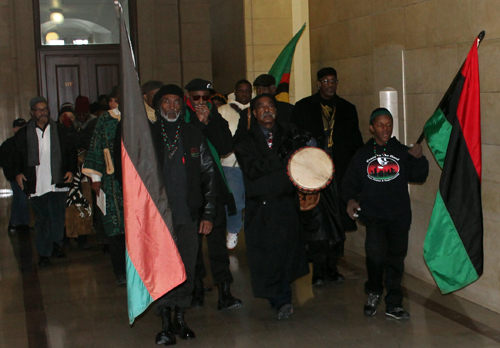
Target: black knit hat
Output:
[
  {"x": 264, "y": 80},
  {"x": 167, "y": 89},
  {"x": 254, "y": 100},
  {"x": 325, "y": 72},
  {"x": 19, "y": 122},
  {"x": 37, "y": 100},
  {"x": 198, "y": 85}
]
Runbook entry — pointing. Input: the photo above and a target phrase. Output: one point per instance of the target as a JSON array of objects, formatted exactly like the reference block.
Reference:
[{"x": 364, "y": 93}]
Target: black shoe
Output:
[
  {"x": 58, "y": 252},
  {"x": 285, "y": 311},
  {"x": 398, "y": 313},
  {"x": 370, "y": 307},
  {"x": 12, "y": 229},
  {"x": 226, "y": 300},
  {"x": 44, "y": 261},
  {"x": 180, "y": 326},
  {"x": 198, "y": 294},
  {"x": 167, "y": 335}
]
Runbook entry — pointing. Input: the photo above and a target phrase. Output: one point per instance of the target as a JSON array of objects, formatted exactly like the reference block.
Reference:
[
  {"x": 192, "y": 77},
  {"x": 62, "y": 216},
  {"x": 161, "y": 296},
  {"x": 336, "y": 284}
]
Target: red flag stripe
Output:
[
  {"x": 285, "y": 78},
  {"x": 469, "y": 108},
  {"x": 151, "y": 246}
]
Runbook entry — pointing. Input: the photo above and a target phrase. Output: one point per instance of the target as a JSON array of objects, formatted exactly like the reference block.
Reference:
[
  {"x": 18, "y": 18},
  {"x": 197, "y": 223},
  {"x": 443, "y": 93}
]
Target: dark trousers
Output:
[
  {"x": 325, "y": 255},
  {"x": 217, "y": 251},
  {"x": 117, "y": 251},
  {"x": 283, "y": 298},
  {"x": 386, "y": 246},
  {"x": 187, "y": 244},
  {"x": 19, "y": 212},
  {"x": 50, "y": 214}
]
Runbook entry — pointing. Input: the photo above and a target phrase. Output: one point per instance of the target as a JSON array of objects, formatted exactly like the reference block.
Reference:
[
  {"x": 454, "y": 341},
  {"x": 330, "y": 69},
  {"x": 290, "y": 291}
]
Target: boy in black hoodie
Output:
[{"x": 375, "y": 190}]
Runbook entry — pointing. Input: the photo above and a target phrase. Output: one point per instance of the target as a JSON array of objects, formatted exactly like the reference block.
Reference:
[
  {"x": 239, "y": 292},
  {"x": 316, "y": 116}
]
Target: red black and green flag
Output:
[
  {"x": 283, "y": 66},
  {"x": 154, "y": 265},
  {"x": 453, "y": 247}
]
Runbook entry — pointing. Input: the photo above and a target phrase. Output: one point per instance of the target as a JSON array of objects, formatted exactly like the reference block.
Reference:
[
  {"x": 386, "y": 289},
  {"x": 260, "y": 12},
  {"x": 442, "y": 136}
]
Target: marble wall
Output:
[{"x": 416, "y": 47}]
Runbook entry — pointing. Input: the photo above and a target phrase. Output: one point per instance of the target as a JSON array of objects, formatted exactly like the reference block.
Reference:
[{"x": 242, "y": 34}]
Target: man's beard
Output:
[
  {"x": 267, "y": 113},
  {"x": 171, "y": 115}
]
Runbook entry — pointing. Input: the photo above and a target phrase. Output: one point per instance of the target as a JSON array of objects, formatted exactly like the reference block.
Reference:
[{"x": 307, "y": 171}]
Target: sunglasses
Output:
[{"x": 197, "y": 97}]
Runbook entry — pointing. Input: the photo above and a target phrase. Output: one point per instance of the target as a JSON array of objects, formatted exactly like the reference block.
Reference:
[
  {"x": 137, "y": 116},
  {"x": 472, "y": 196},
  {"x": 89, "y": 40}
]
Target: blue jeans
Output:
[
  {"x": 50, "y": 214},
  {"x": 19, "y": 212},
  {"x": 234, "y": 178}
]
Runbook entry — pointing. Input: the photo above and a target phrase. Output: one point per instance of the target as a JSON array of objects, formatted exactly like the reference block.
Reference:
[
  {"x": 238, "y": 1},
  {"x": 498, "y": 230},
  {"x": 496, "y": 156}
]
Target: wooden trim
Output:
[{"x": 44, "y": 50}]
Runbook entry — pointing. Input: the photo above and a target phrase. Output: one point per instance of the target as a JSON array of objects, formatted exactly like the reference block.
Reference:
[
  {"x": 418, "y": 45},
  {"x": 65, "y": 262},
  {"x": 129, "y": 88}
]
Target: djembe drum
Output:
[{"x": 311, "y": 170}]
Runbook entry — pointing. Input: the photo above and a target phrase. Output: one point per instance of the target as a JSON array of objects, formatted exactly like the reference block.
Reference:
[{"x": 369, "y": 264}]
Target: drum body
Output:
[{"x": 310, "y": 169}]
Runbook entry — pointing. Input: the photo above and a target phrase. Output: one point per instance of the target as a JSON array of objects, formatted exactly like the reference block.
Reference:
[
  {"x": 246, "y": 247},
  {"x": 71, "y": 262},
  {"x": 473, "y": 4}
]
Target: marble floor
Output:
[{"x": 75, "y": 303}]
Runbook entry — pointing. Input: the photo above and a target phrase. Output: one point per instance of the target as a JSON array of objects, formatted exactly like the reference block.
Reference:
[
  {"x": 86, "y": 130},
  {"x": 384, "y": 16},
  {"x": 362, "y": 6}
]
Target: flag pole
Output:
[{"x": 480, "y": 38}]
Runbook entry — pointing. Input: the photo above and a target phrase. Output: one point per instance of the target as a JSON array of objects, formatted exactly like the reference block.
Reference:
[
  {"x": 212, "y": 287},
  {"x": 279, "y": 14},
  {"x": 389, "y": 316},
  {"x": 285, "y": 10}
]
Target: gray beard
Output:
[{"x": 165, "y": 116}]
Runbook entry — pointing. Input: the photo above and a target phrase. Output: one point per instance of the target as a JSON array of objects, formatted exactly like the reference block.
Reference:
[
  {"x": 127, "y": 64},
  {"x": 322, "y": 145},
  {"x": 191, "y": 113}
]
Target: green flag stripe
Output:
[
  {"x": 437, "y": 131},
  {"x": 445, "y": 253},
  {"x": 138, "y": 296}
]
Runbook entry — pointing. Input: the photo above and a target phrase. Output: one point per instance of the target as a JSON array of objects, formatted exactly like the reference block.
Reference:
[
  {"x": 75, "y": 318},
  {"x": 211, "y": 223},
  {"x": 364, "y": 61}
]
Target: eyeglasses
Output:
[
  {"x": 197, "y": 97},
  {"x": 45, "y": 109},
  {"x": 327, "y": 81}
]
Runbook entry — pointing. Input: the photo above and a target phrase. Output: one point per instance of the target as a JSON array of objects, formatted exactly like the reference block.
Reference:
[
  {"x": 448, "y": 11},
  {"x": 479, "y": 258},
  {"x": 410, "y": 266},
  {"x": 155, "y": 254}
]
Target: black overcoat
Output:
[
  {"x": 307, "y": 115},
  {"x": 274, "y": 241}
]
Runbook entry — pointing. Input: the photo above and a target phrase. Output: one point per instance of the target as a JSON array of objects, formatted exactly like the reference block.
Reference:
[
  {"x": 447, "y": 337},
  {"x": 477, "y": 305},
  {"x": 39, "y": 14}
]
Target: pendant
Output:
[{"x": 172, "y": 152}]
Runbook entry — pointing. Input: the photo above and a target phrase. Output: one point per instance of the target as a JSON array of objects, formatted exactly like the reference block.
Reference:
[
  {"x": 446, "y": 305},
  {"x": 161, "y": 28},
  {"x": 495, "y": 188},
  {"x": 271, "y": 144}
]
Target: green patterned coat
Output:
[{"x": 104, "y": 137}]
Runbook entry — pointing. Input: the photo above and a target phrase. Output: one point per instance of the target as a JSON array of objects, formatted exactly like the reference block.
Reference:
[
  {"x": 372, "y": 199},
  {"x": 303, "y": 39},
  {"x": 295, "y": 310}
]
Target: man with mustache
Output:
[
  {"x": 275, "y": 245},
  {"x": 45, "y": 163},
  {"x": 201, "y": 114},
  {"x": 188, "y": 173},
  {"x": 333, "y": 122}
]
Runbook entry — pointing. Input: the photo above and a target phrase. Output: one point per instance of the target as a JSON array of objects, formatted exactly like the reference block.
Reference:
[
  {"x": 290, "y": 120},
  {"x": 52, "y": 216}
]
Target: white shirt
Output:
[
  {"x": 43, "y": 170},
  {"x": 233, "y": 118}
]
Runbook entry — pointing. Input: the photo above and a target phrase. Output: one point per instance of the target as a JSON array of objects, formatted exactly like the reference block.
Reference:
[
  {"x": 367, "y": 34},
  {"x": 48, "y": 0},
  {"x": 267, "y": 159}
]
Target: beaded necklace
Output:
[
  {"x": 375, "y": 149},
  {"x": 171, "y": 147}
]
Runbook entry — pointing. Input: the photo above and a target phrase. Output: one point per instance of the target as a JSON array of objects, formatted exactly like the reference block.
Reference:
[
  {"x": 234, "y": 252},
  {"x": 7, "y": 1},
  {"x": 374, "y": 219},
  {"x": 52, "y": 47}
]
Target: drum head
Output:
[{"x": 310, "y": 169}]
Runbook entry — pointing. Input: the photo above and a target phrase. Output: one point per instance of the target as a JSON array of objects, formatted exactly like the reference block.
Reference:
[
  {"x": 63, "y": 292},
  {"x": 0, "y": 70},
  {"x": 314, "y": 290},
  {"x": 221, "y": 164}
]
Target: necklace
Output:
[
  {"x": 171, "y": 147},
  {"x": 375, "y": 149}
]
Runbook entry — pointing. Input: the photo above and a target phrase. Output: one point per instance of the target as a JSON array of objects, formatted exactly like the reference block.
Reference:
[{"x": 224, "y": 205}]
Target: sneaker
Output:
[
  {"x": 232, "y": 240},
  {"x": 371, "y": 304},
  {"x": 121, "y": 280},
  {"x": 398, "y": 313},
  {"x": 285, "y": 311}
]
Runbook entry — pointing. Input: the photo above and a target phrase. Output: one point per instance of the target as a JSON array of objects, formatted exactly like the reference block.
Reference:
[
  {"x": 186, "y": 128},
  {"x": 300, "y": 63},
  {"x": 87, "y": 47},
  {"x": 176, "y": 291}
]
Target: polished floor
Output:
[{"x": 75, "y": 303}]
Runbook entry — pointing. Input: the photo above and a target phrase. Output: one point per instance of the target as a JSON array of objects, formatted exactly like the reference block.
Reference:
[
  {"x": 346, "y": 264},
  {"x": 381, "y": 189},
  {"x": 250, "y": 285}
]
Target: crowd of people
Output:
[{"x": 224, "y": 164}]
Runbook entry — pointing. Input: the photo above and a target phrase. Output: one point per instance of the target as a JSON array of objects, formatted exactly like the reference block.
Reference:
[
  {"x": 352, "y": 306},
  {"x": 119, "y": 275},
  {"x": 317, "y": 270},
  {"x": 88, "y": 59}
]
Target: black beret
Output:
[
  {"x": 167, "y": 89},
  {"x": 19, "y": 122},
  {"x": 262, "y": 95},
  {"x": 151, "y": 86},
  {"x": 198, "y": 85},
  {"x": 264, "y": 80},
  {"x": 325, "y": 72}
]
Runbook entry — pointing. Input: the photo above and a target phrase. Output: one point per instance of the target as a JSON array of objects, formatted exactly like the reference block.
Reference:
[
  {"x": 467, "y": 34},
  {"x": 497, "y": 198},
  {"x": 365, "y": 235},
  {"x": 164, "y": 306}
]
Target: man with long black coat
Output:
[
  {"x": 201, "y": 114},
  {"x": 188, "y": 173},
  {"x": 274, "y": 241},
  {"x": 333, "y": 122}
]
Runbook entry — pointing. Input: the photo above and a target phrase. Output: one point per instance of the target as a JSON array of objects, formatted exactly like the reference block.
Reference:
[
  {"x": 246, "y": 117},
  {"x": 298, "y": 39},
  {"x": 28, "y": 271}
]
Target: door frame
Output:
[{"x": 43, "y": 51}]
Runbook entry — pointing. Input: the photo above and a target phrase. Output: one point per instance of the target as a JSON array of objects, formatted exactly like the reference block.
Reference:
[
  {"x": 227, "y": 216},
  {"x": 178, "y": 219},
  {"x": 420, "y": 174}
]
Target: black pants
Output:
[
  {"x": 283, "y": 298},
  {"x": 386, "y": 246},
  {"x": 117, "y": 250},
  {"x": 50, "y": 215},
  {"x": 217, "y": 251},
  {"x": 187, "y": 244}
]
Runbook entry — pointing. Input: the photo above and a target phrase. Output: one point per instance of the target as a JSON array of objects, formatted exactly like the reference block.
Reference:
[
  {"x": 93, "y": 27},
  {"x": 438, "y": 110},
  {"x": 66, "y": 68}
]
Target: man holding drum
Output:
[
  {"x": 333, "y": 122},
  {"x": 275, "y": 246}
]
